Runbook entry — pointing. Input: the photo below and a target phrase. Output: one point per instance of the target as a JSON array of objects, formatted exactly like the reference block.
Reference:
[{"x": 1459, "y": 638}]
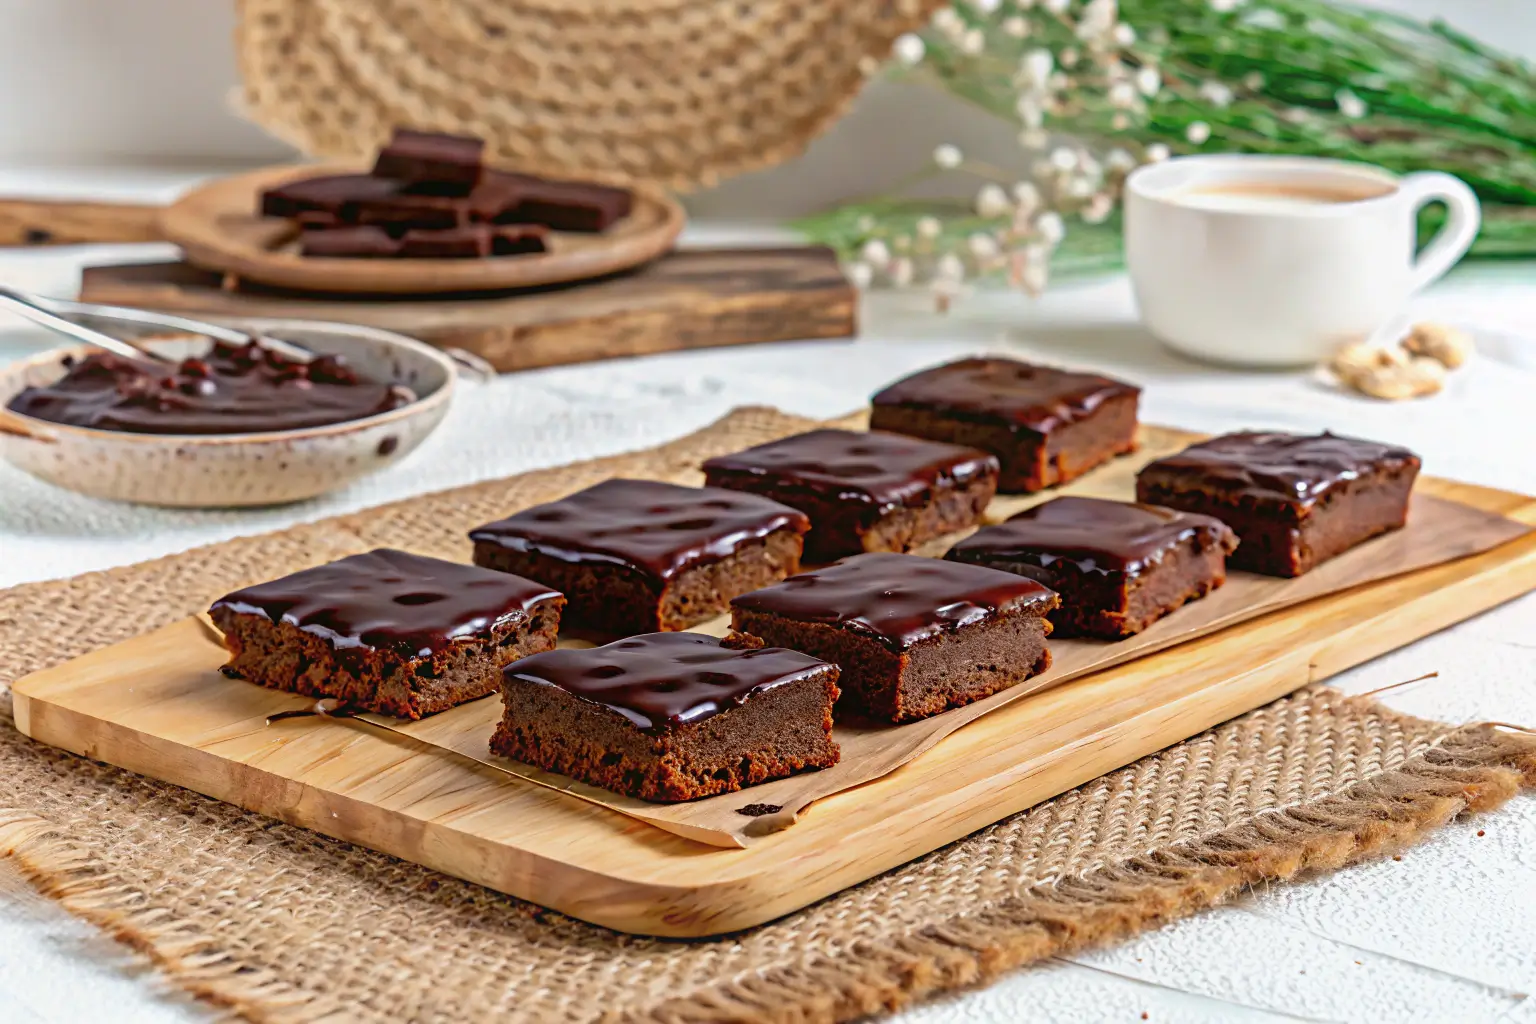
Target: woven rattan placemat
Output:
[{"x": 282, "y": 924}]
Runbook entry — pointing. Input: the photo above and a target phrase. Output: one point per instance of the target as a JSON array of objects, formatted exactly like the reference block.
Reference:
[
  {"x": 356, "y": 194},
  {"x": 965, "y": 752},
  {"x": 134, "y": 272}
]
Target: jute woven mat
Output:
[{"x": 280, "y": 924}]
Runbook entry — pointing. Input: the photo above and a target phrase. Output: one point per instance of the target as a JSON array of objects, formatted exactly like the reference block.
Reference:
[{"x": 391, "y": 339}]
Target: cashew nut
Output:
[
  {"x": 1416, "y": 379},
  {"x": 1446, "y": 345},
  {"x": 1356, "y": 360}
]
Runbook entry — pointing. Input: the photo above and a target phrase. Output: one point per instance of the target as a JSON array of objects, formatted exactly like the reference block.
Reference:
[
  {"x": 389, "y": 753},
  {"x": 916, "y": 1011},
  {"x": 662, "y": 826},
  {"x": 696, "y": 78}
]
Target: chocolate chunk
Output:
[
  {"x": 413, "y": 208},
  {"x": 1293, "y": 500},
  {"x": 468, "y": 242},
  {"x": 1047, "y": 426},
  {"x": 669, "y": 716},
  {"x": 390, "y": 631},
  {"x": 1117, "y": 566},
  {"x": 352, "y": 241},
  {"x": 913, "y": 636},
  {"x": 864, "y": 491},
  {"x": 415, "y": 156},
  {"x": 637, "y": 555}
]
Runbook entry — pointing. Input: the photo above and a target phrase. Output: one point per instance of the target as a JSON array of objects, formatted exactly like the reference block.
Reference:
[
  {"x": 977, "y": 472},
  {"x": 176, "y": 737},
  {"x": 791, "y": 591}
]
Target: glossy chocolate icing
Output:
[
  {"x": 660, "y": 681},
  {"x": 1285, "y": 467},
  {"x": 394, "y": 601},
  {"x": 899, "y": 600},
  {"x": 874, "y": 468},
  {"x": 234, "y": 389},
  {"x": 655, "y": 528},
  {"x": 1038, "y": 399},
  {"x": 1095, "y": 535}
]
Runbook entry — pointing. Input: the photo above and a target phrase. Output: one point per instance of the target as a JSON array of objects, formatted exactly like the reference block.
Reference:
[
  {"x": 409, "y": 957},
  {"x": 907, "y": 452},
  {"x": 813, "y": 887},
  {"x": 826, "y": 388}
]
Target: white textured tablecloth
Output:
[{"x": 1447, "y": 933}]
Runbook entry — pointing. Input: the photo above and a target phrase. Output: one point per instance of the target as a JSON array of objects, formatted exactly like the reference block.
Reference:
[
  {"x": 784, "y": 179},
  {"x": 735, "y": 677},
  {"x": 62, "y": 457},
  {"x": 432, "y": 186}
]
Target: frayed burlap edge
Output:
[{"x": 1473, "y": 768}]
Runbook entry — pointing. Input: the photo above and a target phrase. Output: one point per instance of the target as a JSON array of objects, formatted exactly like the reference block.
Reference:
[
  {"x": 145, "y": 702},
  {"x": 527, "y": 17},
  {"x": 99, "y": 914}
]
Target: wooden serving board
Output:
[
  {"x": 688, "y": 299},
  {"x": 157, "y": 706}
]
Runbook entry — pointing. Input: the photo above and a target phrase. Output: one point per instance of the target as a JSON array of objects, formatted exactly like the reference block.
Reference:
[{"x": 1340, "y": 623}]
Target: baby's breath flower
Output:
[
  {"x": 1099, "y": 208},
  {"x": 1079, "y": 187},
  {"x": 1119, "y": 161},
  {"x": 1350, "y": 105},
  {"x": 909, "y": 49},
  {"x": 949, "y": 268},
  {"x": 876, "y": 253},
  {"x": 1124, "y": 35},
  {"x": 1253, "y": 81},
  {"x": 1198, "y": 132},
  {"x": 1031, "y": 113},
  {"x": 1034, "y": 138},
  {"x": 1026, "y": 196},
  {"x": 948, "y": 21},
  {"x": 973, "y": 42},
  {"x": 1029, "y": 269},
  {"x": 1149, "y": 80},
  {"x": 1098, "y": 19},
  {"x": 1060, "y": 82},
  {"x": 1157, "y": 153},
  {"x": 900, "y": 271},
  {"x": 1069, "y": 58},
  {"x": 860, "y": 274},
  {"x": 983, "y": 246},
  {"x": 929, "y": 228},
  {"x": 986, "y": 6},
  {"x": 1120, "y": 122},
  {"x": 948, "y": 157},
  {"x": 1063, "y": 160},
  {"x": 1123, "y": 96},
  {"x": 1055, "y": 6},
  {"x": 992, "y": 201},
  {"x": 1216, "y": 93},
  {"x": 1051, "y": 228},
  {"x": 1016, "y": 27},
  {"x": 1224, "y": 6},
  {"x": 1035, "y": 68}
]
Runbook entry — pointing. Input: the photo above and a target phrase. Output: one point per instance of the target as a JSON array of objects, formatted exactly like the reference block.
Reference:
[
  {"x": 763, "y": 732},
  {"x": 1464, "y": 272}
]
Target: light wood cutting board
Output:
[{"x": 156, "y": 705}]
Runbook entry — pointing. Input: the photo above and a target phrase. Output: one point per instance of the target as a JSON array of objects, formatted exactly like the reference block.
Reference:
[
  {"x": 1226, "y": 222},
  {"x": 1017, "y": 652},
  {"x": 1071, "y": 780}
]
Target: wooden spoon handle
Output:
[{"x": 52, "y": 222}]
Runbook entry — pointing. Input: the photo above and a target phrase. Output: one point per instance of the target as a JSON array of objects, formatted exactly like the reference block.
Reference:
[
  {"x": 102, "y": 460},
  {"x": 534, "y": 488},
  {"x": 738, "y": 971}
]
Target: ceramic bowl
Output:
[{"x": 234, "y": 470}]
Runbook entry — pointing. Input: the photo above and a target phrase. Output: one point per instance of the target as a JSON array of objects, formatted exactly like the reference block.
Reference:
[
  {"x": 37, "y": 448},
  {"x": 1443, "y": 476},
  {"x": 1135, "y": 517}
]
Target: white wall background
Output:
[{"x": 149, "y": 81}]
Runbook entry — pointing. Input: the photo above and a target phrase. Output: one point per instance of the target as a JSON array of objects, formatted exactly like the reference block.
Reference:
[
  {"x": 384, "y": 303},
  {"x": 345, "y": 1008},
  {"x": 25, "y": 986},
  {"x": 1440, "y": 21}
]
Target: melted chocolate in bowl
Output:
[{"x": 233, "y": 389}]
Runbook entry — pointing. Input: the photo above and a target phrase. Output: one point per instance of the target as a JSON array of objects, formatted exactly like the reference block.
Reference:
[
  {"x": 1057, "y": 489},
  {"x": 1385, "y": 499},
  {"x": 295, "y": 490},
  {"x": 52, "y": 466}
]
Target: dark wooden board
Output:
[{"x": 688, "y": 299}]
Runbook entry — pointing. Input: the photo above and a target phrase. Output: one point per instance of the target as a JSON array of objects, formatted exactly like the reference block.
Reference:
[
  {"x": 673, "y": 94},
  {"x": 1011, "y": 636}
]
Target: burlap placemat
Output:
[{"x": 281, "y": 924}]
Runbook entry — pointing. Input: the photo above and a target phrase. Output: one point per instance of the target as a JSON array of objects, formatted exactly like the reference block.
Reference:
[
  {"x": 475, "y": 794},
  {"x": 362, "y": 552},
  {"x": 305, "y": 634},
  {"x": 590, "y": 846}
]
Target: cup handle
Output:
[{"x": 1456, "y": 235}]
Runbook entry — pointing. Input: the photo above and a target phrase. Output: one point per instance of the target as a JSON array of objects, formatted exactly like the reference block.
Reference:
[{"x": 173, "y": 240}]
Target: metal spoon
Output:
[{"x": 22, "y": 303}]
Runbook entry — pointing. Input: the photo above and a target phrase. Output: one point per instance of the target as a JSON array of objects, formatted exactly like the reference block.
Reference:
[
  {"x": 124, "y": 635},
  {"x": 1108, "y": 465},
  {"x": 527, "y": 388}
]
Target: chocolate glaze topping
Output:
[
  {"x": 1095, "y": 535},
  {"x": 875, "y": 468},
  {"x": 899, "y": 600},
  {"x": 1289, "y": 467},
  {"x": 660, "y": 681},
  {"x": 234, "y": 389},
  {"x": 1023, "y": 396},
  {"x": 393, "y": 601},
  {"x": 655, "y": 528}
]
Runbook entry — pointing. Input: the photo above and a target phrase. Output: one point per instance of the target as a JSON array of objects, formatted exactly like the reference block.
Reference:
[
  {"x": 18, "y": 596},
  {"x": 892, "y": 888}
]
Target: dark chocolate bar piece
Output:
[
  {"x": 352, "y": 241},
  {"x": 472, "y": 241},
  {"x": 325, "y": 193},
  {"x": 431, "y": 157},
  {"x": 568, "y": 205}
]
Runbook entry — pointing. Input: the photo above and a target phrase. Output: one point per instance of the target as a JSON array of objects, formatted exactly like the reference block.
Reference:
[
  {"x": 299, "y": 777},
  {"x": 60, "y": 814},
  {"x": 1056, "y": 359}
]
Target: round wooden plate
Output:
[{"x": 219, "y": 228}]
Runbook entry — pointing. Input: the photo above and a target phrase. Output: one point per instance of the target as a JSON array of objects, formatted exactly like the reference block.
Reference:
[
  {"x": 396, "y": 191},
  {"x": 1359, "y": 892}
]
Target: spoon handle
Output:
[{"x": 20, "y": 304}]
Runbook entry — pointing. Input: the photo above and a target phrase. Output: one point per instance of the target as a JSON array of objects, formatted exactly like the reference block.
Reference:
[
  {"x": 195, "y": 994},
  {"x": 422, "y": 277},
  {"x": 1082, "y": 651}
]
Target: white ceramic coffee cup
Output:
[{"x": 1224, "y": 273}]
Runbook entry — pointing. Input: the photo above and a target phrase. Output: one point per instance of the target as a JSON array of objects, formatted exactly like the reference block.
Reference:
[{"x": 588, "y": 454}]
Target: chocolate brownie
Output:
[
  {"x": 670, "y": 716},
  {"x": 635, "y": 556},
  {"x": 865, "y": 491},
  {"x": 1118, "y": 567},
  {"x": 386, "y": 631},
  {"x": 1293, "y": 500},
  {"x": 430, "y": 157},
  {"x": 913, "y": 636},
  {"x": 1047, "y": 426}
]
